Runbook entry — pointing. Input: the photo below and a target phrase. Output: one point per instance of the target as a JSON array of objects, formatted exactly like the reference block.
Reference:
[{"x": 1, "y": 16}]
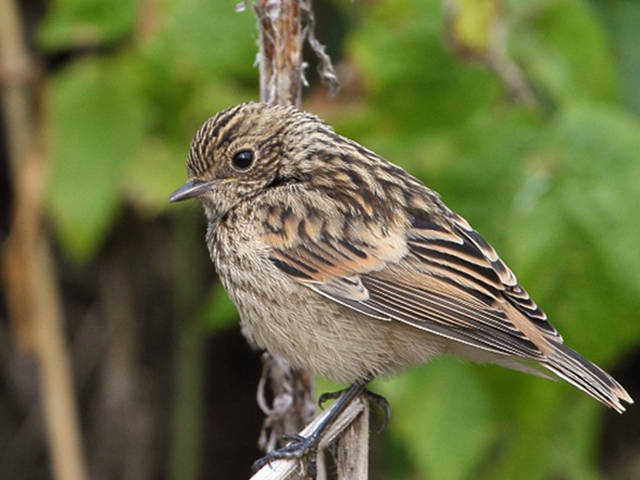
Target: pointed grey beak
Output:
[{"x": 191, "y": 189}]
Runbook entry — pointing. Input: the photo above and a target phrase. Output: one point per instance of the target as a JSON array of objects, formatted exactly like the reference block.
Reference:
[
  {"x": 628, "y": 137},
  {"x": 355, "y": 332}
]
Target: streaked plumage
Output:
[{"x": 349, "y": 267}]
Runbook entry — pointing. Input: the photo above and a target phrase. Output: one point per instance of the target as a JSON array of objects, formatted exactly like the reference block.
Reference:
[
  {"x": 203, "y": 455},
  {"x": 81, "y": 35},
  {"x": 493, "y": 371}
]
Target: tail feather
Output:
[{"x": 586, "y": 376}]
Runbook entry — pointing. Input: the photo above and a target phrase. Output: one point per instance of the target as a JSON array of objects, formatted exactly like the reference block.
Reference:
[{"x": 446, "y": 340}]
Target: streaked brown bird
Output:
[{"x": 350, "y": 268}]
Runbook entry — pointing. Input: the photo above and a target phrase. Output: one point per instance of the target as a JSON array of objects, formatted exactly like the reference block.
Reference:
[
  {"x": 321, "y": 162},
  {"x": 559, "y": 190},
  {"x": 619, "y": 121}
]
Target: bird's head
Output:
[{"x": 243, "y": 150}]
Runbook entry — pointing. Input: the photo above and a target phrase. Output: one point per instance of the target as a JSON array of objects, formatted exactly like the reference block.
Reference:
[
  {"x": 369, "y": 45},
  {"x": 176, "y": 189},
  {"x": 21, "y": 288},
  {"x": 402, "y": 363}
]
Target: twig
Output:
[
  {"x": 326, "y": 70},
  {"x": 185, "y": 456},
  {"x": 293, "y": 403},
  {"x": 31, "y": 290},
  {"x": 281, "y": 69},
  {"x": 283, "y": 27},
  {"x": 280, "y": 51},
  {"x": 353, "y": 448},
  {"x": 281, "y": 37},
  {"x": 492, "y": 52},
  {"x": 508, "y": 71},
  {"x": 351, "y": 427}
]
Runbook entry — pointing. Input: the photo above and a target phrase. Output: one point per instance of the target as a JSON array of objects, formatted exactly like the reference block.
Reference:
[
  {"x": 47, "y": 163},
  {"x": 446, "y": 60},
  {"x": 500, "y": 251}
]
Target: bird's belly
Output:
[{"x": 319, "y": 335}]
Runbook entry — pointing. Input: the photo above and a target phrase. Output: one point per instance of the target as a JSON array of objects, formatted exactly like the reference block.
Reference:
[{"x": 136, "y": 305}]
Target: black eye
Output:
[{"x": 242, "y": 159}]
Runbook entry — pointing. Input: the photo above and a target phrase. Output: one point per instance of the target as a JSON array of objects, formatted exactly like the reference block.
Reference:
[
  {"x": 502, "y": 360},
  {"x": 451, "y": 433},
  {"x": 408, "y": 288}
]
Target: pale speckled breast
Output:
[{"x": 309, "y": 330}]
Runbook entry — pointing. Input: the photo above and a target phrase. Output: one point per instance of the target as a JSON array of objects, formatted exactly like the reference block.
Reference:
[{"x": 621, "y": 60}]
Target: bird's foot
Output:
[
  {"x": 378, "y": 400},
  {"x": 297, "y": 448}
]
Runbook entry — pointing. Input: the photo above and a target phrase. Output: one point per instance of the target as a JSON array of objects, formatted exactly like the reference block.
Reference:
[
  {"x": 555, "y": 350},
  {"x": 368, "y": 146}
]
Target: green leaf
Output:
[
  {"x": 96, "y": 121},
  {"x": 157, "y": 169},
  {"x": 565, "y": 50},
  {"x": 546, "y": 429},
  {"x": 426, "y": 88},
  {"x": 575, "y": 243},
  {"x": 82, "y": 23},
  {"x": 213, "y": 38},
  {"x": 441, "y": 414},
  {"x": 473, "y": 22},
  {"x": 622, "y": 19},
  {"x": 602, "y": 175},
  {"x": 219, "y": 312}
]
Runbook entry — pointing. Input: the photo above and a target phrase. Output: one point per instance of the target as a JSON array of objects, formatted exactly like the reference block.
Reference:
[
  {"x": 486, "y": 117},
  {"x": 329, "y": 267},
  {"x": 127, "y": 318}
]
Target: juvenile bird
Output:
[{"x": 349, "y": 267}]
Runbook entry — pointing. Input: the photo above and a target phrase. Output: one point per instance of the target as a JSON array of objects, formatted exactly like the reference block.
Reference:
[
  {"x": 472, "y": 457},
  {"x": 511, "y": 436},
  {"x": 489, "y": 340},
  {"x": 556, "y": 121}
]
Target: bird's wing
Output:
[
  {"x": 438, "y": 276},
  {"x": 444, "y": 279}
]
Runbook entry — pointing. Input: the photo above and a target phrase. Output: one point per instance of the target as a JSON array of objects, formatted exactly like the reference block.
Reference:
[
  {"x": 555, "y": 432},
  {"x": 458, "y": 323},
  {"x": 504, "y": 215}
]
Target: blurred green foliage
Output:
[
  {"x": 555, "y": 188},
  {"x": 74, "y": 23}
]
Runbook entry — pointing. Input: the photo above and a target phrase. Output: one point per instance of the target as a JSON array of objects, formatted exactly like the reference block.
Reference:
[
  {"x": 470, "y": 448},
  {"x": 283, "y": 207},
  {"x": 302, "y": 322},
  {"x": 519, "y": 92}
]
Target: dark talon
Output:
[
  {"x": 298, "y": 448},
  {"x": 382, "y": 404},
  {"x": 292, "y": 438},
  {"x": 328, "y": 396},
  {"x": 258, "y": 464},
  {"x": 378, "y": 400}
]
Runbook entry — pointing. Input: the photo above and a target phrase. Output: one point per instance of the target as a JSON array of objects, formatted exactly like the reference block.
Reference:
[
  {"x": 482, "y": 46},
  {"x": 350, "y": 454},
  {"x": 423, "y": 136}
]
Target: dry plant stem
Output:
[
  {"x": 325, "y": 67},
  {"x": 281, "y": 37},
  {"x": 31, "y": 291},
  {"x": 280, "y": 62},
  {"x": 353, "y": 449},
  {"x": 280, "y": 51},
  {"x": 185, "y": 456},
  {"x": 293, "y": 404},
  {"x": 507, "y": 70},
  {"x": 496, "y": 57},
  {"x": 123, "y": 426},
  {"x": 351, "y": 427}
]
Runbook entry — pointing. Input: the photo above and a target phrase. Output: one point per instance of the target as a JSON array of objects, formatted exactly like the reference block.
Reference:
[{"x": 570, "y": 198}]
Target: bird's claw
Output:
[
  {"x": 328, "y": 396},
  {"x": 300, "y": 447},
  {"x": 378, "y": 400},
  {"x": 292, "y": 438},
  {"x": 382, "y": 404},
  {"x": 297, "y": 448}
]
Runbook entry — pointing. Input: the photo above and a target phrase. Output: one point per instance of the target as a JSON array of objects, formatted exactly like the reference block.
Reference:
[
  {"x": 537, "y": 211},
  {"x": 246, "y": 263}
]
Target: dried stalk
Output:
[
  {"x": 281, "y": 73},
  {"x": 283, "y": 27},
  {"x": 27, "y": 266},
  {"x": 280, "y": 51},
  {"x": 352, "y": 430},
  {"x": 281, "y": 38},
  {"x": 494, "y": 54}
]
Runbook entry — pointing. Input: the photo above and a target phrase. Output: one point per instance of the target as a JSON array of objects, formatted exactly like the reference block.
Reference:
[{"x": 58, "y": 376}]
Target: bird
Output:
[{"x": 351, "y": 268}]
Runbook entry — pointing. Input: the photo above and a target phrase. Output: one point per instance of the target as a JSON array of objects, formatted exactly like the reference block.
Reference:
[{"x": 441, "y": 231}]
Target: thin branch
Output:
[
  {"x": 506, "y": 69},
  {"x": 284, "y": 26},
  {"x": 351, "y": 427},
  {"x": 492, "y": 53},
  {"x": 27, "y": 266},
  {"x": 281, "y": 37},
  {"x": 281, "y": 72},
  {"x": 293, "y": 403},
  {"x": 280, "y": 51},
  {"x": 326, "y": 70}
]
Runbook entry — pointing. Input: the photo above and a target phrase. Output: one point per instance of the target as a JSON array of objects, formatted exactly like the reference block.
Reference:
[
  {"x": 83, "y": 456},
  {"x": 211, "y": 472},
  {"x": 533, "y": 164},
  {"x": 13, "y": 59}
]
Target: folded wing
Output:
[{"x": 440, "y": 276}]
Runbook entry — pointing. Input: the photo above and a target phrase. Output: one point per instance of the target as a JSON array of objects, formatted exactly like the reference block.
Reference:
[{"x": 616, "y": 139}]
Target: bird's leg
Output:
[
  {"x": 378, "y": 400},
  {"x": 300, "y": 446}
]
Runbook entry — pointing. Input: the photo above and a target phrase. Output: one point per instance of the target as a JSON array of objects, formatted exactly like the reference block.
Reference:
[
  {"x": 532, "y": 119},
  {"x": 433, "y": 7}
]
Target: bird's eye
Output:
[{"x": 242, "y": 159}]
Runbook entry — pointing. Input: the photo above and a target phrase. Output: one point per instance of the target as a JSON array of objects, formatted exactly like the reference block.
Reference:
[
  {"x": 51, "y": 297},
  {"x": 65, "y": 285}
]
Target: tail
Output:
[{"x": 586, "y": 376}]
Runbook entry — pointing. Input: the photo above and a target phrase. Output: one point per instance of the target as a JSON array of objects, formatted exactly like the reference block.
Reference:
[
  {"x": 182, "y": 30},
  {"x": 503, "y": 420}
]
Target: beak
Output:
[{"x": 191, "y": 189}]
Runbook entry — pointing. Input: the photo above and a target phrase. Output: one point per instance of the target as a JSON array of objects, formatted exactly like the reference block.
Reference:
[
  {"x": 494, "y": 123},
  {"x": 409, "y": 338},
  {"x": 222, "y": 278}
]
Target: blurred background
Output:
[{"x": 525, "y": 117}]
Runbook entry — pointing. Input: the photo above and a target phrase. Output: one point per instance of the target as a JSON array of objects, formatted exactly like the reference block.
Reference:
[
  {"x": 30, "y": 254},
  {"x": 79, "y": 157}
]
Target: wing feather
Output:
[
  {"x": 431, "y": 271},
  {"x": 439, "y": 277}
]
